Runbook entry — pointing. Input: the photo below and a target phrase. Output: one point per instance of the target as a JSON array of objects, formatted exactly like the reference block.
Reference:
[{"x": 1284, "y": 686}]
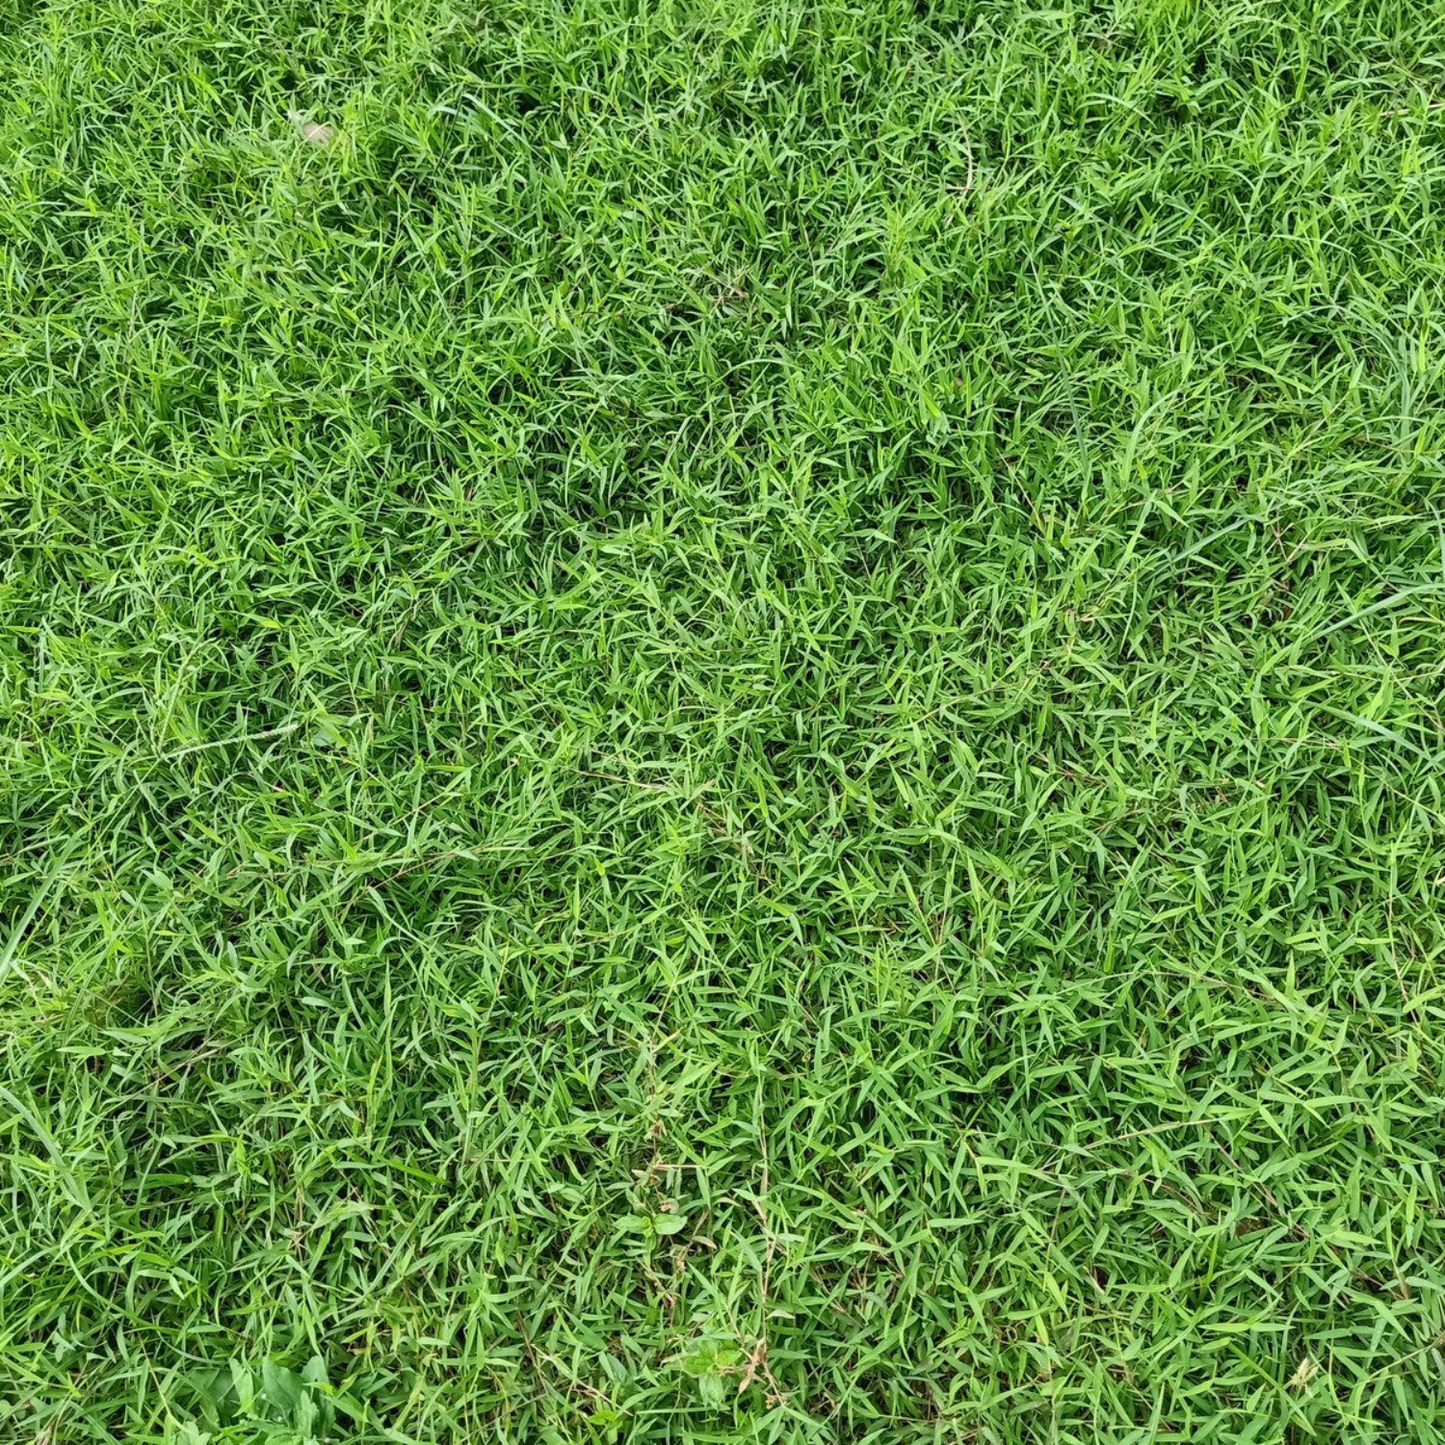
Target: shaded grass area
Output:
[{"x": 730, "y": 730}]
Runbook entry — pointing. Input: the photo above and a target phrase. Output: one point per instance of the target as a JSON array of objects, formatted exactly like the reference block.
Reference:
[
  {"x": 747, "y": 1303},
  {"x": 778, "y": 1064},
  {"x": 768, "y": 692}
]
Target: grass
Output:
[{"x": 727, "y": 730}]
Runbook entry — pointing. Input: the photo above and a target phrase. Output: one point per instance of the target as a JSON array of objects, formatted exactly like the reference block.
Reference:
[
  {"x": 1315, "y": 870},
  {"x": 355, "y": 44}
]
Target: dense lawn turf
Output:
[{"x": 722, "y": 721}]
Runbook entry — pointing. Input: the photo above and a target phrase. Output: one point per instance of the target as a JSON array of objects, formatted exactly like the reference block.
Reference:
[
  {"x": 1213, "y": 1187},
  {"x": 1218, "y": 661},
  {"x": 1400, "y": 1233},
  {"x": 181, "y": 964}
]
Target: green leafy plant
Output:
[
  {"x": 275, "y": 1404},
  {"x": 713, "y": 1365}
]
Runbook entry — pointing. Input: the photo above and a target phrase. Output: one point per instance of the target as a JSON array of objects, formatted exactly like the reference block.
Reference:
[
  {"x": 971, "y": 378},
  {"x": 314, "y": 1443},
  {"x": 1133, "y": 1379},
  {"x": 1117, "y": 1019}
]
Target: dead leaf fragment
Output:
[{"x": 312, "y": 130}]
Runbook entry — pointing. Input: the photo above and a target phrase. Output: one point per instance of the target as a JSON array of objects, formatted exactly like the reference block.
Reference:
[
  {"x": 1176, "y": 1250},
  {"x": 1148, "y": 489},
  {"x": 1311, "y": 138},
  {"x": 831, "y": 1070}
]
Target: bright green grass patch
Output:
[{"x": 730, "y": 730}]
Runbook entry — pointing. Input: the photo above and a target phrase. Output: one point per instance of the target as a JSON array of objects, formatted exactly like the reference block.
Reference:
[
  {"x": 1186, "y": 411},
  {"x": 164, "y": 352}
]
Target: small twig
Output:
[
  {"x": 757, "y": 1362},
  {"x": 1296, "y": 1229},
  {"x": 1395, "y": 962},
  {"x": 967, "y": 186},
  {"x": 1434, "y": 1344},
  {"x": 1429, "y": 105},
  {"x": 1142, "y": 1134},
  {"x": 631, "y": 782},
  {"x": 739, "y": 840},
  {"x": 537, "y": 1352},
  {"x": 405, "y": 622}
]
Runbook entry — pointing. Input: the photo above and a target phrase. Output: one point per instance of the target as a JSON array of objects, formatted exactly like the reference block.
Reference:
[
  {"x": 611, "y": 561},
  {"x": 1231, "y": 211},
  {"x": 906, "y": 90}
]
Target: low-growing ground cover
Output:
[{"x": 721, "y": 722}]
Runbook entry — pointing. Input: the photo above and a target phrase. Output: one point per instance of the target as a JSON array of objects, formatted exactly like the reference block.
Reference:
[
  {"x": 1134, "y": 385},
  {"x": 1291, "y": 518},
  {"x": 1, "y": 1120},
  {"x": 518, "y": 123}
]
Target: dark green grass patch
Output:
[{"x": 729, "y": 730}]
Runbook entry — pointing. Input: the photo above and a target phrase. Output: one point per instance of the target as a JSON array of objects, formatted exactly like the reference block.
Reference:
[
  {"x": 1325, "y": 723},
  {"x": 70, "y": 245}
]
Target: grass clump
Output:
[{"x": 721, "y": 722}]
